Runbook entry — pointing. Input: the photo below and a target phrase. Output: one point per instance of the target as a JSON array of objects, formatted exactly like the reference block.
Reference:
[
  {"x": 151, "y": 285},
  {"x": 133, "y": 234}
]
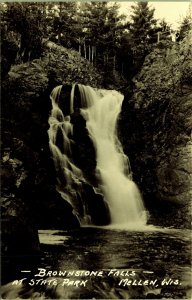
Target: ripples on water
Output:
[{"x": 154, "y": 253}]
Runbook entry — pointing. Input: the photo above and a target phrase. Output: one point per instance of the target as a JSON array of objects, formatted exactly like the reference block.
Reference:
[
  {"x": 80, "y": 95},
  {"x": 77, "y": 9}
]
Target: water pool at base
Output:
[{"x": 106, "y": 263}]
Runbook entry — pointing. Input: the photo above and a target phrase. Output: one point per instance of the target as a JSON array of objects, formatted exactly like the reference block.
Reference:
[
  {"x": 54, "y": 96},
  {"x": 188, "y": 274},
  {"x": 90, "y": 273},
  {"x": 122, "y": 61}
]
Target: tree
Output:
[
  {"x": 9, "y": 43},
  {"x": 163, "y": 31},
  {"x": 125, "y": 56},
  {"x": 142, "y": 27},
  {"x": 114, "y": 33},
  {"x": 27, "y": 20},
  {"x": 141, "y": 35},
  {"x": 101, "y": 28},
  {"x": 93, "y": 15},
  {"x": 64, "y": 23},
  {"x": 186, "y": 25}
]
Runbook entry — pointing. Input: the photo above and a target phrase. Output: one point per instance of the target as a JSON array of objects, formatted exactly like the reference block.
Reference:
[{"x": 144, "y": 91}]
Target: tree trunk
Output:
[
  {"x": 85, "y": 54},
  {"x": 114, "y": 62},
  {"x": 92, "y": 54},
  {"x": 59, "y": 38},
  {"x": 95, "y": 54},
  {"x": 89, "y": 53}
]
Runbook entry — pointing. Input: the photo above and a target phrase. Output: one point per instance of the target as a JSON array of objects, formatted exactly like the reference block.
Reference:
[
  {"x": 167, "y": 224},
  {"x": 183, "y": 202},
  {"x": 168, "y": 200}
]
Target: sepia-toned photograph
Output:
[{"x": 96, "y": 149}]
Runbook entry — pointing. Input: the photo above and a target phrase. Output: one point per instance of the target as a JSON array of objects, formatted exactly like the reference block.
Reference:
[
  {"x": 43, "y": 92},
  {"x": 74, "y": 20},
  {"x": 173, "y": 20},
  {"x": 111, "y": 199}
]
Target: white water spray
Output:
[{"x": 100, "y": 109}]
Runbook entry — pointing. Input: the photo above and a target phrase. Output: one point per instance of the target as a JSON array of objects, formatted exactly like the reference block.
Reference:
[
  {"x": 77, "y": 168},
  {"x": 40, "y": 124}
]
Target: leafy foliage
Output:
[
  {"x": 185, "y": 27},
  {"x": 95, "y": 29},
  {"x": 142, "y": 26},
  {"x": 142, "y": 33},
  {"x": 27, "y": 21},
  {"x": 100, "y": 32},
  {"x": 64, "y": 23}
]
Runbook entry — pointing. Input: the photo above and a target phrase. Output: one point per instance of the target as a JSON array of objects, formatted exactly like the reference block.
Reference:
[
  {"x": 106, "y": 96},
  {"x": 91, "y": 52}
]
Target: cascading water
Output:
[
  {"x": 100, "y": 109},
  {"x": 69, "y": 177}
]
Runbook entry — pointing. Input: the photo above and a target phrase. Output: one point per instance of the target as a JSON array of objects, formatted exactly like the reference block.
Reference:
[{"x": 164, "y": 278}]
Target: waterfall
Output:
[
  {"x": 69, "y": 176},
  {"x": 100, "y": 109}
]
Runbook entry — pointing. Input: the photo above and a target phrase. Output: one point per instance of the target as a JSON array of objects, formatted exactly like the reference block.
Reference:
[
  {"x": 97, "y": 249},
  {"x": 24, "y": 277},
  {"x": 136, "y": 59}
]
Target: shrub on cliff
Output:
[{"x": 68, "y": 66}]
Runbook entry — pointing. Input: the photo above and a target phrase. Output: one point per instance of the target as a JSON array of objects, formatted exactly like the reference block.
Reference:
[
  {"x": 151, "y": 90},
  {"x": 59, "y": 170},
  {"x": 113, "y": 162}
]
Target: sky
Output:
[{"x": 172, "y": 12}]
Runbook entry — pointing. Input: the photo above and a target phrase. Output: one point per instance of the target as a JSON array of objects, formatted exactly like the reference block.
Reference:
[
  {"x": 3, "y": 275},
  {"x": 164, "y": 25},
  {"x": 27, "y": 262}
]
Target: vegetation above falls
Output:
[{"x": 97, "y": 30}]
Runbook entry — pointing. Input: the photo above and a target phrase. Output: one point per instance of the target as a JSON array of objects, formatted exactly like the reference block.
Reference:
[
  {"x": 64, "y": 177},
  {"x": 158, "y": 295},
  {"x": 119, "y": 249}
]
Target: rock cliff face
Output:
[
  {"x": 175, "y": 175},
  {"x": 158, "y": 122},
  {"x": 30, "y": 199}
]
